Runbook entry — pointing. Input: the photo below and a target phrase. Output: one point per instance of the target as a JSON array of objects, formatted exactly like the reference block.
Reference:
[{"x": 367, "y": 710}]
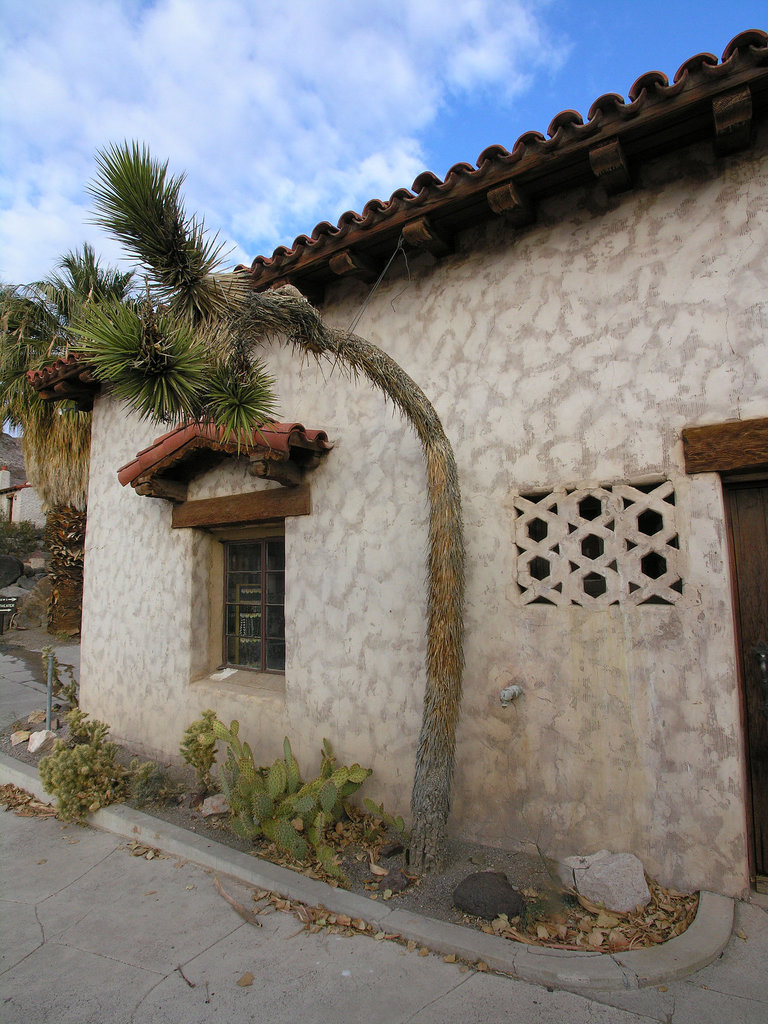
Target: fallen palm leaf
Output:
[{"x": 244, "y": 912}]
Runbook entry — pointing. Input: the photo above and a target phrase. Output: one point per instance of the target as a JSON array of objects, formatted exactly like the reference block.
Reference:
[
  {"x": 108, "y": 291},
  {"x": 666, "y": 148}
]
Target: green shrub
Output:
[
  {"x": 19, "y": 539},
  {"x": 198, "y": 749},
  {"x": 83, "y": 773}
]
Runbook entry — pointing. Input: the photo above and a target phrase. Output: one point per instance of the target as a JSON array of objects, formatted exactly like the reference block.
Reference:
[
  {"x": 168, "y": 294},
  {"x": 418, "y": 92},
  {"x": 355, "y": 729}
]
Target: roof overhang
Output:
[
  {"x": 707, "y": 99},
  {"x": 283, "y": 452}
]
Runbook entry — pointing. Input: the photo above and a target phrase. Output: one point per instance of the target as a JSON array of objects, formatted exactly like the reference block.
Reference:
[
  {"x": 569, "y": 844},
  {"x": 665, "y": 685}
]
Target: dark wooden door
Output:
[{"x": 748, "y": 504}]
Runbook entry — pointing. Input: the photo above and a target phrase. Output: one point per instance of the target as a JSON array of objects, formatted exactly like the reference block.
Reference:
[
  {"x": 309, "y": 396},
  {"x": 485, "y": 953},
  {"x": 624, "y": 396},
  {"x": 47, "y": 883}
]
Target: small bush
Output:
[
  {"x": 198, "y": 748},
  {"x": 83, "y": 774},
  {"x": 19, "y": 539}
]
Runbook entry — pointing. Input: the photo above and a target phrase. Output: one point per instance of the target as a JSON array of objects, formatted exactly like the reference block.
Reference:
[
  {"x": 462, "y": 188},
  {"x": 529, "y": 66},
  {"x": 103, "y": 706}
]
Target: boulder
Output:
[
  {"x": 216, "y": 804},
  {"x": 41, "y": 740},
  {"x": 32, "y": 612},
  {"x": 614, "y": 880},
  {"x": 11, "y": 568},
  {"x": 488, "y": 894}
]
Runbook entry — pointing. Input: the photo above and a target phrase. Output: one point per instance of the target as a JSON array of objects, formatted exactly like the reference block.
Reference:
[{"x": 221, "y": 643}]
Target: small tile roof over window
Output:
[
  {"x": 67, "y": 378},
  {"x": 706, "y": 99},
  {"x": 164, "y": 468}
]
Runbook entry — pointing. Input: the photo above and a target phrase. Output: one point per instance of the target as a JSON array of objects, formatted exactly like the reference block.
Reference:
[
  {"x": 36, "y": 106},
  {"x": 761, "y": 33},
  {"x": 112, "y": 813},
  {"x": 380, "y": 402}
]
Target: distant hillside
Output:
[{"x": 10, "y": 456}]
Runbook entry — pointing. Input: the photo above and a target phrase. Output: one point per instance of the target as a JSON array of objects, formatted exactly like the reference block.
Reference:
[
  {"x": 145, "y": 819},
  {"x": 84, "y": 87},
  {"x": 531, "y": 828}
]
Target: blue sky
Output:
[{"x": 284, "y": 113}]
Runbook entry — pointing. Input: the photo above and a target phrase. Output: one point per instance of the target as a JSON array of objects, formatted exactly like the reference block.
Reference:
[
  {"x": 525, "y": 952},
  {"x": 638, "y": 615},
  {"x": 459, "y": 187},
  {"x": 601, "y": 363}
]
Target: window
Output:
[{"x": 254, "y": 619}]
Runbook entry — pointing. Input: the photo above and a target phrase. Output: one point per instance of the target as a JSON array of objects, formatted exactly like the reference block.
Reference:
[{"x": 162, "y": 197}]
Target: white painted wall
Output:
[{"x": 569, "y": 354}]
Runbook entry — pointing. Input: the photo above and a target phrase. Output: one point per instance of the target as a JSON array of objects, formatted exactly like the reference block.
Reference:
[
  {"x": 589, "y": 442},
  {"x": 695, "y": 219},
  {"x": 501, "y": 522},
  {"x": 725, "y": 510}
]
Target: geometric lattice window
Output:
[{"x": 598, "y": 546}]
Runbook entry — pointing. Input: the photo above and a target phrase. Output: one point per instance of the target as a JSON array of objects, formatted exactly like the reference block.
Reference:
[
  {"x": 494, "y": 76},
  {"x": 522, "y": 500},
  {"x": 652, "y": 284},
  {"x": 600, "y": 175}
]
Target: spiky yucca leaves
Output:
[
  {"x": 153, "y": 362},
  {"x": 139, "y": 203},
  {"x": 285, "y": 315}
]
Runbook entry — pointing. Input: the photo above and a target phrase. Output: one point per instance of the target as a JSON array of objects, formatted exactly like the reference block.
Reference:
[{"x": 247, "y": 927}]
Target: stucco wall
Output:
[
  {"x": 569, "y": 354},
  {"x": 27, "y": 507}
]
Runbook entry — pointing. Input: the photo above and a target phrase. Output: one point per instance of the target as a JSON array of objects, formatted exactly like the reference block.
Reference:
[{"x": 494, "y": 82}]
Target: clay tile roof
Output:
[
  {"x": 658, "y": 118},
  {"x": 193, "y": 448},
  {"x": 69, "y": 377}
]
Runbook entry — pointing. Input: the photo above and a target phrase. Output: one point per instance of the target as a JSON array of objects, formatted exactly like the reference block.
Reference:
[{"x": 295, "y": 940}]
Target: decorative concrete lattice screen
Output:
[{"x": 598, "y": 546}]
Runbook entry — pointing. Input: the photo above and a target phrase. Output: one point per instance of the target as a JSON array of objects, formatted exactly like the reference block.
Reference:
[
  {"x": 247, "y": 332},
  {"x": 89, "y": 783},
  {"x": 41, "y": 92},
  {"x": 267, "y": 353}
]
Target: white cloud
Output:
[{"x": 282, "y": 113}]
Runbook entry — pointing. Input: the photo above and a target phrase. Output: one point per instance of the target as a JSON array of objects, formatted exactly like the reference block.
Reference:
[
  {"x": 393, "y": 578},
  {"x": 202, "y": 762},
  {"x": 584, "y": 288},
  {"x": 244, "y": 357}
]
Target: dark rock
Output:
[
  {"x": 488, "y": 894},
  {"x": 10, "y": 569},
  {"x": 33, "y": 607},
  {"x": 396, "y": 881},
  {"x": 391, "y": 849}
]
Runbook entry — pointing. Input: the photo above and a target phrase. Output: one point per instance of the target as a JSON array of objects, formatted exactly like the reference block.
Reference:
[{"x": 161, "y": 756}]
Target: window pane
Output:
[
  {"x": 244, "y": 557},
  {"x": 276, "y": 554},
  {"x": 244, "y": 588},
  {"x": 275, "y": 621},
  {"x": 243, "y": 652},
  {"x": 276, "y": 655},
  {"x": 249, "y": 623},
  {"x": 275, "y": 588}
]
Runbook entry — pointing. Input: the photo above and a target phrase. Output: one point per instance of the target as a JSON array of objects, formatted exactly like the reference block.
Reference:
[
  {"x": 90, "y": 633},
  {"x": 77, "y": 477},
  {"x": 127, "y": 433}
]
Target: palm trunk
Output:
[{"x": 65, "y": 539}]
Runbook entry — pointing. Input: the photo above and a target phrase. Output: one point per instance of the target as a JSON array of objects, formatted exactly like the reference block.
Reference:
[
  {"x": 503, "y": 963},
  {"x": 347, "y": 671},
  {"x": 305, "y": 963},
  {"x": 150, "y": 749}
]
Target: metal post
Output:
[{"x": 49, "y": 695}]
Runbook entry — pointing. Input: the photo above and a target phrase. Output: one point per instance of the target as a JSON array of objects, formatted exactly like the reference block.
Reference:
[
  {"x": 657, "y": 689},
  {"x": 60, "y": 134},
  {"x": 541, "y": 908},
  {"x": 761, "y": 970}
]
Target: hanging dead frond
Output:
[{"x": 284, "y": 315}]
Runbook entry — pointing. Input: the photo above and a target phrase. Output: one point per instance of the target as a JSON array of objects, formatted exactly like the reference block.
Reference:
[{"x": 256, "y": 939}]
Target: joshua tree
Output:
[
  {"x": 36, "y": 322},
  {"x": 194, "y": 318}
]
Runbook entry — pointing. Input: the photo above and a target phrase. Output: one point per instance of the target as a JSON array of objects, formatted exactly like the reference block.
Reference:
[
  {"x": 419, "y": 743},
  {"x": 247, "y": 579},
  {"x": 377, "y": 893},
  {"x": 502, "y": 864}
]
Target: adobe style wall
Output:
[{"x": 563, "y": 356}]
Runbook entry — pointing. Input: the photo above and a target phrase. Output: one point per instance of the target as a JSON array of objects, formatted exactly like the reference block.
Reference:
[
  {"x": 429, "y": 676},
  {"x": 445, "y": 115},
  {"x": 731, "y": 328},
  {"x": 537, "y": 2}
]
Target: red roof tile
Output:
[{"x": 195, "y": 447}]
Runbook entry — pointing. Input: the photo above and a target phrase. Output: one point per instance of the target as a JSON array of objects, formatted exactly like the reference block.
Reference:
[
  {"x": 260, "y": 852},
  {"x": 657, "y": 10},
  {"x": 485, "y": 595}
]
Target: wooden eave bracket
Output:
[
  {"x": 285, "y": 472},
  {"x": 609, "y": 166},
  {"x": 732, "y": 113},
  {"x": 421, "y": 234},
  {"x": 730, "y": 447},
  {"x": 161, "y": 487},
  {"x": 507, "y": 200},
  {"x": 352, "y": 264}
]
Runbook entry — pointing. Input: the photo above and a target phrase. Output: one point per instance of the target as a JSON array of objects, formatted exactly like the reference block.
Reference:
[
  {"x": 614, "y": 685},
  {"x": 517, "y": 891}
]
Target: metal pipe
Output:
[{"x": 49, "y": 695}]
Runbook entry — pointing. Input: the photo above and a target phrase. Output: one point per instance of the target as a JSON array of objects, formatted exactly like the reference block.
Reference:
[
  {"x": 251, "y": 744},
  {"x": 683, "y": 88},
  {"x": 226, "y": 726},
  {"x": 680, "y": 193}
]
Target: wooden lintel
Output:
[
  {"x": 610, "y": 166},
  {"x": 734, "y": 446},
  {"x": 421, "y": 234},
  {"x": 512, "y": 203},
  {"x": 240, "y": 509},
  {"x": 351, "y": 264},
  {"x": 161, "y": 487},
  {"x": 284, "y": 472},
  {"x": 733, "y": 120}
]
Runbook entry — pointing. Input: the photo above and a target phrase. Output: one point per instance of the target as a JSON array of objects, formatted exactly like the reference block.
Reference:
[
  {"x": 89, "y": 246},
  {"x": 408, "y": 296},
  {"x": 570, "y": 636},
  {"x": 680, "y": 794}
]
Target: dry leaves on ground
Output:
[
  {"x": 588, "y": 926},
  {"x": 24, "y": 804}
]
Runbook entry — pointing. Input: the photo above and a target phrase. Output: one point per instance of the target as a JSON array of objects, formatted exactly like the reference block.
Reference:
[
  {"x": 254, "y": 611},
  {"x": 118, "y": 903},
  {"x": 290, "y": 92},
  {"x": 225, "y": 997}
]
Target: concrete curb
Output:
[{"x": 577, "y": 972}]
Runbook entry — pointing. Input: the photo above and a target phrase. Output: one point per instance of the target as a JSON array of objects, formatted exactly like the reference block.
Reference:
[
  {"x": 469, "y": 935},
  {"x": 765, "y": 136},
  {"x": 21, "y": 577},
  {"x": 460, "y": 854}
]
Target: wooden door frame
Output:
[
  {"x": 737, "y": 450},
  {"x": 730, "y": 484}
]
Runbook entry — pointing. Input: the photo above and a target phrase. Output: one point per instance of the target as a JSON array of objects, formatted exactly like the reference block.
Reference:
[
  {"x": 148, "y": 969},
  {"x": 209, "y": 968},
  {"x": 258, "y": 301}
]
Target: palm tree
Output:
[
  {"x": 36, "y": 322},
  {"x": 220, "y": 319}
]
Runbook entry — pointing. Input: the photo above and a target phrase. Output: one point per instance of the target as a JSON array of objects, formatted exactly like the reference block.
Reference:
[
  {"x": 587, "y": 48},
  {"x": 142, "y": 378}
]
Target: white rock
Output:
[
  {"x": 41, "y": 740},
  {"x": 615, "y": 880},
  {"x": 568, "y": 867},
  {"x": 215, "y": 804}
]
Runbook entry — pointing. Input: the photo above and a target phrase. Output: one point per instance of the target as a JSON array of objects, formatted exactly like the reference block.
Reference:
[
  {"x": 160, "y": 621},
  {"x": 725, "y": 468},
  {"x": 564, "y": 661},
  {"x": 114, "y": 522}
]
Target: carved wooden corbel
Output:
[
  {"x": 509, "y": 201},
  {"x": 733, "y": 120},
  {"x": 610, "y": 166},
  {"x": 421, "y": 234},
  {"x": 351, "y": 264}
]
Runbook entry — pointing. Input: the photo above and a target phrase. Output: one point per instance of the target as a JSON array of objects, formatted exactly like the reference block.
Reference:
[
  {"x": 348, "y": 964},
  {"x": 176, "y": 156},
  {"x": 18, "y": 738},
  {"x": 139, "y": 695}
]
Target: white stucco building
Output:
[{"x": 587, "y": 313}]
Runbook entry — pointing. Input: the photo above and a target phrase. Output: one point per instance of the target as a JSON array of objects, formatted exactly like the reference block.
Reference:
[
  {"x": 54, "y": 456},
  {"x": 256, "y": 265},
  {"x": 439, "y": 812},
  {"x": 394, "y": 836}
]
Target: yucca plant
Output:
[{"x": 140, "y": 204}]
